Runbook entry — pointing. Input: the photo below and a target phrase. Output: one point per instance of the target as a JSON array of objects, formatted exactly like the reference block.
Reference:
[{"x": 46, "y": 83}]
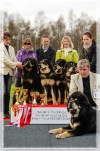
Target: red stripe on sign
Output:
[{"x": 39, "y": 105}]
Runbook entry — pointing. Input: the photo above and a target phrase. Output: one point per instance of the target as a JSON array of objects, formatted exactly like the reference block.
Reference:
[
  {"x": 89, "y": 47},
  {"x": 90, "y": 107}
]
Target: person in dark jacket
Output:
[
  {"x": 89, "y": 50},
  {"x": 45, "y": 51}
]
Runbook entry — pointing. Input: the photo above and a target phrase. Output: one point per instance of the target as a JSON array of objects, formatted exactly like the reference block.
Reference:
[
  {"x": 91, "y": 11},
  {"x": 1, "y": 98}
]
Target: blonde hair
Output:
[
  {"x": 70, "y": 41},
  {"x": 82, "y": 63},
  {"x": 27, "y": 40}
]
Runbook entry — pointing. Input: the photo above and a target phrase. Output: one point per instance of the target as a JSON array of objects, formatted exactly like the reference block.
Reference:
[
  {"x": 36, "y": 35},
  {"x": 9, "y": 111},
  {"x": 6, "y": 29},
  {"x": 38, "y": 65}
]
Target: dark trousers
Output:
[
  {"x": 5, "y": 82},
  {"x": 17, "y": 84}
]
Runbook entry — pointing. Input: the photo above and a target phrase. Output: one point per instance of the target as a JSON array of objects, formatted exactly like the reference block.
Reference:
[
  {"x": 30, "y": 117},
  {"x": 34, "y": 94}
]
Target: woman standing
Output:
[
  {"x": 89, "y": 50},
  {"x": 45, "y": 51},
  {"x": 67, "y": 52},
  {"x": 22, "y": 54},
  {"x": 8, "y": 63}
]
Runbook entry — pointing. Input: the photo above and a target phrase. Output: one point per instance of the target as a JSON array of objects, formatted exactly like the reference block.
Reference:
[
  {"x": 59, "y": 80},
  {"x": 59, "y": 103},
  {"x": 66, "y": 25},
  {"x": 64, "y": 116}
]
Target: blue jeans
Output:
[{"x": 5, "y": 86}]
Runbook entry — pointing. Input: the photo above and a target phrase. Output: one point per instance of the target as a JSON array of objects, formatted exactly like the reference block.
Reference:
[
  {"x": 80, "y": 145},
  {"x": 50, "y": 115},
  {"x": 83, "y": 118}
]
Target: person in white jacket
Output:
[
  {"x": 87, "y": 82},
  {"x": 8, "y": 63}
]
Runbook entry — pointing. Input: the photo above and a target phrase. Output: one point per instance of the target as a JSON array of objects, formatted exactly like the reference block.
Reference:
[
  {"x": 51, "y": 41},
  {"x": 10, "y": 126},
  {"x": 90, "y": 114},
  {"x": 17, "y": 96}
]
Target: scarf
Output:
[
  {"x": 66, "y": 50},
  {"x": 87, "y": 47},
  {"x": 45, "y": 48}
]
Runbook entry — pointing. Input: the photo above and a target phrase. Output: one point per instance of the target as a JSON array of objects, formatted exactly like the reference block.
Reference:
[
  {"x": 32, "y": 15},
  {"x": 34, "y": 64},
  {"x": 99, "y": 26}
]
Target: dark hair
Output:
[
  {"x": 5, "y": 35},
  {"x": 44, "y": 36},
  {"x": 90, "y": 36}
]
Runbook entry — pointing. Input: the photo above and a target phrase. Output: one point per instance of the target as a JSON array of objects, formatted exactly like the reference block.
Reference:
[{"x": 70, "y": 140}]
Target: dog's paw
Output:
[
  {"x": 53, "y": 131},
  {"x": 45, "y": 103},
  {"x": 60, "y": 136},
  {"x": 55, "y": 103},
  {"x": 58, "y": 102},
  {"x": 65, "y": 102}
]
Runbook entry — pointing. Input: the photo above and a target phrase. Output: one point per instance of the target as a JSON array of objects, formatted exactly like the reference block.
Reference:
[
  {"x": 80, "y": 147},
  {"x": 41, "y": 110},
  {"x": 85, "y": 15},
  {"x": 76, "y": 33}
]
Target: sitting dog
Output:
[
  {"x": 59, "y": 68},
  {"x": 70, "y": 70},
  {"x": 30, "y": 78},
  {"x": 48, "y": 80},
  {"x": 83, "y": 117}
]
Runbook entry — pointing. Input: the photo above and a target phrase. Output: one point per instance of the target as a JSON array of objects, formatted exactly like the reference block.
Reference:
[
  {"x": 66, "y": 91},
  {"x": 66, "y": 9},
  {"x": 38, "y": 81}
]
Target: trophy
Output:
[
  {"x": 24, "y": 96},
  {"x": 17, "y": 94},
  {"x": 34, "y": 95},
  {"x": 42, "y": 96},
  {"x": 15, "y": 109}
]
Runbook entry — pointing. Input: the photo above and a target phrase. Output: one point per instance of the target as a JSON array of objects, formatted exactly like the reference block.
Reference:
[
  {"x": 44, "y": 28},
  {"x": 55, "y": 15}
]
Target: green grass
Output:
[{"x": 11, "y": 94}]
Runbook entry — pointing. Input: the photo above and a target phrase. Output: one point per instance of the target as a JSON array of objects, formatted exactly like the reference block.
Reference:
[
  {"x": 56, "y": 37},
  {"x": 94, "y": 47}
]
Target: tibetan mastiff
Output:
[
  {"x": 83, "y": 117},
  {"x": 48, "y": 81},
  {"x": 30, "y": 78},
  {"x": 70, "y": 70},
  {"x": 62, "y": 89}
]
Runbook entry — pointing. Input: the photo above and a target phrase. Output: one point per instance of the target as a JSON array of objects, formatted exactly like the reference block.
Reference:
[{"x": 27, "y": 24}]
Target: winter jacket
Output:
[
  {"x": 72, "y": 55},
  {"x": 21, "y": 56},
  {"x": 91, "y": 56},
  {"x": 49, "y": 54}
]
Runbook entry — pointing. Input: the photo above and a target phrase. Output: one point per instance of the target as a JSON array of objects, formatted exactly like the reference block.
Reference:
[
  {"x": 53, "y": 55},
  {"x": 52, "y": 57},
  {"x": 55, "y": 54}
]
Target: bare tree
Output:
[
  {"x": 57, "y": 30},
  {"x": 20, "y": 29}
]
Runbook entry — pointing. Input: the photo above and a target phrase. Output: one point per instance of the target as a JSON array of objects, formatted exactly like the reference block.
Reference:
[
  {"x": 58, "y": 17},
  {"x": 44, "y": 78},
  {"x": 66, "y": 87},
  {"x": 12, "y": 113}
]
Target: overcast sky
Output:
[{"x": 52, "y": 9}]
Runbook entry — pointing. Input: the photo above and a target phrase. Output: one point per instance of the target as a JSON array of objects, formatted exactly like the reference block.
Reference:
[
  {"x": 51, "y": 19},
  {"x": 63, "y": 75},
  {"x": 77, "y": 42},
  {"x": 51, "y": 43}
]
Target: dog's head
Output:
[
  {"x": 78, "y": 104},
  {"x": 59, "y": 66},
  {"x": 70, "y": 69},
  {"x": 45, "y": 66},
  {"x": 30, "y": 64}
]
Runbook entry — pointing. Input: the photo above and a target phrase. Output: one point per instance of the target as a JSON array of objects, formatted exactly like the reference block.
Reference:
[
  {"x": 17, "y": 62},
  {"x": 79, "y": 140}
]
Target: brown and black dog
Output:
[
  {"x": 30, "y": 78},
  {"x": 62, "y": 88},
  {"x": 70, "y": 70},
  {"x": 83, "y": 117},
  {"x": 48, "y": 80}
]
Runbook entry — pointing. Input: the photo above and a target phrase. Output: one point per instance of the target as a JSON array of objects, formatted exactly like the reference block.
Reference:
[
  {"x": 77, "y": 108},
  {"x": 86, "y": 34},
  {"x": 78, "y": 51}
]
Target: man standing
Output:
[{"x": 45, "y": 51}]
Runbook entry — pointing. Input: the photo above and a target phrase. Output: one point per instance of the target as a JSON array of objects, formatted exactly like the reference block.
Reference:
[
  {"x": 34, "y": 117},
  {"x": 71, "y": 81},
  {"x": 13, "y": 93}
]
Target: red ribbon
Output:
[{"x": 24, "y": 116}]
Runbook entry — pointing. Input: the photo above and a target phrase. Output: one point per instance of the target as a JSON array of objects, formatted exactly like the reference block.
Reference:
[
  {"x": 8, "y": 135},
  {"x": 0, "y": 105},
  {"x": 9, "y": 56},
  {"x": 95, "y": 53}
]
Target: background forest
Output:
[{"x": 75, "y": 27}]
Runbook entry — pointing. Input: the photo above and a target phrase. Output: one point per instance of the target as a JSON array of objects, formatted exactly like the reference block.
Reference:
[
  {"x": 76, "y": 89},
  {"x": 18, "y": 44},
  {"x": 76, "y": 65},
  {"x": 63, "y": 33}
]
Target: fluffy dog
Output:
[
  {"x": 83, "y": 117},
  {"x": 48, "y": 80},
  {"x": 30, "y": 78},
  {"x": 59, "y": 68},
  {"x": 70, "y": 70}
]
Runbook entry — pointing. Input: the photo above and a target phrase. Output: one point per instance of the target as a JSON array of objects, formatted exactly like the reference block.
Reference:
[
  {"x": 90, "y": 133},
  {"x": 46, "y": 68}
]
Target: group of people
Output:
[{"x": 11, "y": 64}]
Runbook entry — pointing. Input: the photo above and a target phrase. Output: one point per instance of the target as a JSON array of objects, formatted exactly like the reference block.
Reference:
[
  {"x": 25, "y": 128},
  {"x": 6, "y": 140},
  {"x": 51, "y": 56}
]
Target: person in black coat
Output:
[
  {"x": 89, "y": 50},
  {"x": 45, "y": 51}
]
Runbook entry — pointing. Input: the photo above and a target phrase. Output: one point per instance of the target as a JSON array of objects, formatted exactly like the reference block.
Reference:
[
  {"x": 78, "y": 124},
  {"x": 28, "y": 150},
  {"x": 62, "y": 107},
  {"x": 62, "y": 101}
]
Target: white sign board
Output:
[{"x": 47, "y": 115}]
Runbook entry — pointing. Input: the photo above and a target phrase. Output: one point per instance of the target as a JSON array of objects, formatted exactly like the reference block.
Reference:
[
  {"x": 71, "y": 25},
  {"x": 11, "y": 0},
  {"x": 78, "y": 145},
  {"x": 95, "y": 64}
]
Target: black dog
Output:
[
  {"x": 48, "y": 80},
  {"x": 83, "y": 117},
  {"x": 70, "y": 70},
  {"x": 30, "y": 78},
  {"x": 59, "y": 68}
]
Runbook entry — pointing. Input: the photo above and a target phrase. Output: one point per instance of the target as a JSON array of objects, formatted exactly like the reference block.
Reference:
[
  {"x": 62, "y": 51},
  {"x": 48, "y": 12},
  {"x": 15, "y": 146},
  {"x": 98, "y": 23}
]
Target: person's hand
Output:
[{"x": 20, "y": 66}]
